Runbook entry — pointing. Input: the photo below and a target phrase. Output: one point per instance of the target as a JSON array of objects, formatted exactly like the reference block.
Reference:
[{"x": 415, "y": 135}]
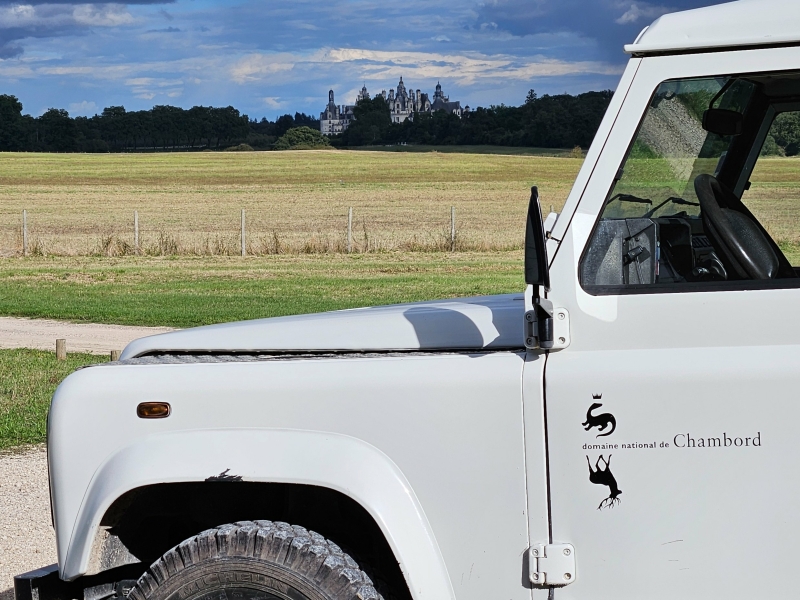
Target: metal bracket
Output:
[
  {"x": 561, "y": 337},
  {"x": 551, "y": 565},
  {"x": 546, "y": 328}
]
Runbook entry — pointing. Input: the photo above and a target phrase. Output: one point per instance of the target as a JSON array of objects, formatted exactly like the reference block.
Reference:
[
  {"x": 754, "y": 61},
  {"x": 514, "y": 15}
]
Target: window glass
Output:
[
  {"x": 672, "y": 148},
  {"x": 774, "y": 195},
  {"x": 651, "y": 230}
]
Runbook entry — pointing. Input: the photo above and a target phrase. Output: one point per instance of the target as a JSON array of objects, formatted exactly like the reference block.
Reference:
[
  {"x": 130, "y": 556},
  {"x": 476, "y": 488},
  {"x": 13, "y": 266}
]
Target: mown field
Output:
[
  {"x": 467, "y": 149},
  {"x": 295, "y": 202}
]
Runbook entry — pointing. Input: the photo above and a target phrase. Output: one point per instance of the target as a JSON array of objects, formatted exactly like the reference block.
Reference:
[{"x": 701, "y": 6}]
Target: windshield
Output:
[{"x": 671, "y": 149}]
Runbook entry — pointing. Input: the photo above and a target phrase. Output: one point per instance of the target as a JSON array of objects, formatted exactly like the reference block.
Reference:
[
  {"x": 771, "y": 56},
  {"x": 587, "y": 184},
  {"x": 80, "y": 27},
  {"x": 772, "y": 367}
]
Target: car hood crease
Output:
[{"x": 479, "y": 323}]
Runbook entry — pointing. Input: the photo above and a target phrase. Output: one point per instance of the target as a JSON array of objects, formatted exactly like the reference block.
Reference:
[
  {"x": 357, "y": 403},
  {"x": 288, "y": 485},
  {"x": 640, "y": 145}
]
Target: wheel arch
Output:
[{"x": 304, "y": 459}]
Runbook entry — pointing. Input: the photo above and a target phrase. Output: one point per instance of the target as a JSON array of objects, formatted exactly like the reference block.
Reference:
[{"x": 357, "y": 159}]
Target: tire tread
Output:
[{"x": 306, "y": 553}]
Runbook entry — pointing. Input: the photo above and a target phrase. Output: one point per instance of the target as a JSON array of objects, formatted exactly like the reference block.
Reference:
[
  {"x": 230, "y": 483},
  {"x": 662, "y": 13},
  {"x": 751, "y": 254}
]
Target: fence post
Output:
[
  {"x": 136, "y": 232},
  {"x": 115, "y": 355},
  {"x": 61, "y": 349},
  {"x": 452, "y": 228},
  {"x": 244, "y": 251},
  {"x": 350, "y": 230},
  {"x": 24, "y": 233}
]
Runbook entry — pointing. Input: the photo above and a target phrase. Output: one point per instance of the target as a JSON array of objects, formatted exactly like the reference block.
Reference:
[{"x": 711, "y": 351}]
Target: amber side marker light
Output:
[{"x": 153, "y": 410}]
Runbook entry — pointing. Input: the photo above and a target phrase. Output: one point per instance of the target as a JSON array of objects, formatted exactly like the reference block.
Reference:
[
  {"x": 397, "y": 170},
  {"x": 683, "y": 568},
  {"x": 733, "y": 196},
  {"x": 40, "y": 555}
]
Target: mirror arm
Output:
[
  {"x": 537, "y": 270},
  {"x": 539, "y": 320}
]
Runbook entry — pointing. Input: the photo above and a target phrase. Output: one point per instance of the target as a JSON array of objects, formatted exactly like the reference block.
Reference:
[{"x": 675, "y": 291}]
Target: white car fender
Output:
[{"x": 339, "y": 462}]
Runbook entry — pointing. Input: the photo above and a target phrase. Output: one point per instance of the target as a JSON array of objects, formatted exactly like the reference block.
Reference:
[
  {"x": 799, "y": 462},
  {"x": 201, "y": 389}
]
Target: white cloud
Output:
[
  {"x": 82, "y": 108},
  {"x": 55, "y": 16},
  {"x": 256, "y": 66},
  {"x": 15, "y": 71},
  {"x": 273, "y": 102},
  {"x": 465, "y": 68},
  {"x": 153, "y": 81},
  {"x": 642, "y": 10},
  {"x": 148, "y": 79},
  {"x": 17, "y": 16},
  {"x": 103, "y": 15},
  {"x": 304, "y": 25}
]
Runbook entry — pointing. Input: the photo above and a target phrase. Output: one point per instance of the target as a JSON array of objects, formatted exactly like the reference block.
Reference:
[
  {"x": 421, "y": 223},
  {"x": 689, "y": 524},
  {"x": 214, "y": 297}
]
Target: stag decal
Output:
[
  {"x": 600, "y": 421},
  {"x": 603, "y": 476}
]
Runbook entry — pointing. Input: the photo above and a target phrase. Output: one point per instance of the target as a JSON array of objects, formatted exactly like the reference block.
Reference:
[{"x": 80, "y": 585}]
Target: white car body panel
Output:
[
  {"x": 671, "y": 364},
  {"x": 489, "y": 322},
  {"x": 335, "y": 461},
  {"x": 730, "y": 25},
  {"x": 444, "y": 402}
]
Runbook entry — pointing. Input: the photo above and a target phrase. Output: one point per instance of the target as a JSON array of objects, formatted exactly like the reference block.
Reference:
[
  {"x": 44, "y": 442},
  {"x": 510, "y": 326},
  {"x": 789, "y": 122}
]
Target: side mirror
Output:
[
  {"x": 537, "y": 272},
  {"x": 723, "y": 122}
]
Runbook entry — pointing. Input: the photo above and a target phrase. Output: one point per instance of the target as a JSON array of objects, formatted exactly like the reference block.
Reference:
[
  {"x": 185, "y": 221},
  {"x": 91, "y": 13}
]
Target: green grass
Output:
[
  {"x": 28, "y": 379},
  {"x": 185, "y": 291}
]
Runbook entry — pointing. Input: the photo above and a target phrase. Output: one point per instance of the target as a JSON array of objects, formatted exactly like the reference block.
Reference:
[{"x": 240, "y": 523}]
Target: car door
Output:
[{"x": 673, "y": 459}]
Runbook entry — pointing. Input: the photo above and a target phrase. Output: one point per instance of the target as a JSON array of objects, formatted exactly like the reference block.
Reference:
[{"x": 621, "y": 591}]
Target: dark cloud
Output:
[
  {"x": 611, "y": 23},
  {"x": 9, "y": 37},
  {"x": 165, "y": 30},
  {"x": 9, "y": 50},
  {"x": 53, "y": 20}
]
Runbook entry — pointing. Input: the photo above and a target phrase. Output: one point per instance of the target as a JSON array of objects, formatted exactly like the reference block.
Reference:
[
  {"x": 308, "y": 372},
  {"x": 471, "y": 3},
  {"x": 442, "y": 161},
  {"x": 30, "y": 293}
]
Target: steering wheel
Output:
[{"x": 743, "y": 245}]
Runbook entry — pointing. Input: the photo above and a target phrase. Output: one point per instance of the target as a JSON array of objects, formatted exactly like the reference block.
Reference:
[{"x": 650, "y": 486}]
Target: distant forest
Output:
[
  {"x": 560, "y": 121},
  {"x": 118, "y": 130}
]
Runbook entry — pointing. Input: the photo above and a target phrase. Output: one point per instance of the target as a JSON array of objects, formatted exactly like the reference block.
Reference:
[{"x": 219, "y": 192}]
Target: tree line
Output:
[
  {"x": 559, "y": 121},
  {"x": 119, "y": 130}
]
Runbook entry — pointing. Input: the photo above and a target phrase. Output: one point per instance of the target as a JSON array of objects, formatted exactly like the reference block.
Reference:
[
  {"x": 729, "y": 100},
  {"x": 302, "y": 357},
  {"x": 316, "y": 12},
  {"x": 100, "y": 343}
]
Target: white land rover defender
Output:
[{"x": 625, "y": 429}]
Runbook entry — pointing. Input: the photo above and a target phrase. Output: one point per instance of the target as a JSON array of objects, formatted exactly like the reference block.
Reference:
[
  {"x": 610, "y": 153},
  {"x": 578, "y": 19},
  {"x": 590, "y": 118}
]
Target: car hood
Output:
[{"x": 480, "y": 323}]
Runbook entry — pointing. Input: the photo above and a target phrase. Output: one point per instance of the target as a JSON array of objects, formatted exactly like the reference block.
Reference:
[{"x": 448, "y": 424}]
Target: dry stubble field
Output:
[{"x": 296, "y": 202}]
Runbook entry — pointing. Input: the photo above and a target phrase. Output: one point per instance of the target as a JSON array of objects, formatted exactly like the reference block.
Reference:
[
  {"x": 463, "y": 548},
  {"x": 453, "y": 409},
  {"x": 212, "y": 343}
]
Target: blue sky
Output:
[{"x": 267, "y": 58}]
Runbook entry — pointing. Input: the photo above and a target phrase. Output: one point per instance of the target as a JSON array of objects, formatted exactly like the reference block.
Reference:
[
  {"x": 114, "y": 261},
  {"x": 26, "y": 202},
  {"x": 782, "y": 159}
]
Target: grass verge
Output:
[
  {"x": 191, "y": 291},
  {"x": 28, "y": 379}
]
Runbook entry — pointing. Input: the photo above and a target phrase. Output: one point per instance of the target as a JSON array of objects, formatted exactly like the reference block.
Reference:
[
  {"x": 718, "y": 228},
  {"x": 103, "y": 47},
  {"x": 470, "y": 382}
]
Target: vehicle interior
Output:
[{"x": 680, "y": 215}]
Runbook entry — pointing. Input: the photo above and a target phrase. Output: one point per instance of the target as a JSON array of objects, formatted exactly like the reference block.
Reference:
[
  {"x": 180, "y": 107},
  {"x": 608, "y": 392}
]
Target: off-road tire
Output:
[{"x": 255, "y": 560}]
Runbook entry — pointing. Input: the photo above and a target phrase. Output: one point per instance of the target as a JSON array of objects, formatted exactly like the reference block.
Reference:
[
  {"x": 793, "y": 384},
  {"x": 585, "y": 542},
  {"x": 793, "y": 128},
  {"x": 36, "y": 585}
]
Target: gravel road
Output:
[
  {"x": 27, "y": 540},
  {"x": 41, "y": 334}
]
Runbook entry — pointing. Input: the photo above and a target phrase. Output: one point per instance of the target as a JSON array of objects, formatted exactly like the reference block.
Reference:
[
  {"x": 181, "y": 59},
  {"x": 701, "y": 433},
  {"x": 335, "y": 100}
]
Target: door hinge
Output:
[
  {"x": 551, "y": 565},
  {"x": 546, "y": 328}
]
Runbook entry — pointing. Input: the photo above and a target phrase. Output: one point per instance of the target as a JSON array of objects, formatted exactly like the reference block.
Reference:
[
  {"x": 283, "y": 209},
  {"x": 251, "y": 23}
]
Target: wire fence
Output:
[{"x": 160, "y": 236}]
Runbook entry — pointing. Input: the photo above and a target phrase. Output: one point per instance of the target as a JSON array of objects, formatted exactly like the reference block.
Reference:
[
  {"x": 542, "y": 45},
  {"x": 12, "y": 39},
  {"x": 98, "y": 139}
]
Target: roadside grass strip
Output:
[
  {"x": 186, "y": 291},
  {"x": 28, "y": 379}
]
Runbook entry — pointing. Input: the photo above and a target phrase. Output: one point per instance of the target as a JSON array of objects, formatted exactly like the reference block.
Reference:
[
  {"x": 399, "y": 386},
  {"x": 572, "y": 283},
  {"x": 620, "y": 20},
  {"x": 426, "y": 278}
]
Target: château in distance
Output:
[{"x": 403, "y": 104}]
